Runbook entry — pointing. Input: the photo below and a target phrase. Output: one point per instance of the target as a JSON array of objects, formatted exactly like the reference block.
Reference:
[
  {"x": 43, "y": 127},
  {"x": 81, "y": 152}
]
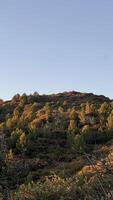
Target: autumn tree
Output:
[
  {"x": 72, "y": 114},
  {"x": 47, "y": 109},
  {"x": 89, "y": 108},
  {"x": 9, "y": 155},
  {"x": 82, "y": 117},
  {"x": 72, "y": 126},
  {"x": 21, "y": 141},
  {"x": 103, "y": 108},
  {"x": 110, "y": 121}
]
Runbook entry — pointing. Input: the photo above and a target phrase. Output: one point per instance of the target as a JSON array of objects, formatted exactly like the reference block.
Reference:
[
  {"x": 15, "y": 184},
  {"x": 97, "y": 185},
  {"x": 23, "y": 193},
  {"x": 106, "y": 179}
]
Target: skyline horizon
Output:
[{"x": 52, "y": 93}]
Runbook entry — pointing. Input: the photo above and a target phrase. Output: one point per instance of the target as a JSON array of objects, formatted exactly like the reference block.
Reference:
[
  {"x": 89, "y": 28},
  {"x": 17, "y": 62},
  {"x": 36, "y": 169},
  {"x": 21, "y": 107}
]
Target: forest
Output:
[{"x": 56, "y": 147}]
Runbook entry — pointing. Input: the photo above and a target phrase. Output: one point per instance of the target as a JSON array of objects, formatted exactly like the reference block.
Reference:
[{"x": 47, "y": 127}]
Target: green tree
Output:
[{"x": 15, "y": 137}]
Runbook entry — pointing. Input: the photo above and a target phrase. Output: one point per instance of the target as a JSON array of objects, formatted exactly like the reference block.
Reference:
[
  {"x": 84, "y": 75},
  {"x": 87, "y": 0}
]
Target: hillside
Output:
[{"x": 56, "y": 147}]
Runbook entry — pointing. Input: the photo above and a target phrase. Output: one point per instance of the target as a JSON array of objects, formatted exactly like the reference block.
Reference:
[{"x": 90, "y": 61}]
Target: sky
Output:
[{"x": 52, "y": 46}]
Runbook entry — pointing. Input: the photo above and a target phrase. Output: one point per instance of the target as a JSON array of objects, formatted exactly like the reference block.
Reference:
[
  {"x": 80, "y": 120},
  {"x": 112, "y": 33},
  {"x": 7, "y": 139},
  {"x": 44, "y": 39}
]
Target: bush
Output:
[{"x": 52, "y": 188}]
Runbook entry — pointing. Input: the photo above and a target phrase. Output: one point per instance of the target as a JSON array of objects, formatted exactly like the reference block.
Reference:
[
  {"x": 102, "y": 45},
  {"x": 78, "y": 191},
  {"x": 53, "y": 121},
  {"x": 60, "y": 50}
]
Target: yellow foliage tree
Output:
[
  {"x": 9, "y": 155},
  {"x": 72, "y": 114},
  {"x": 103, "y": 108},
  {"x": 72, "y": 126},
  {"x": 22, "y": 140},
  {"x": 110, "y": 121}
]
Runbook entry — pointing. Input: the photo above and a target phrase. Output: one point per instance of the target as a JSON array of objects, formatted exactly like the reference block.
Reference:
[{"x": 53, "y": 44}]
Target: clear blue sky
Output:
[{"x": 56, "y": 45}]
